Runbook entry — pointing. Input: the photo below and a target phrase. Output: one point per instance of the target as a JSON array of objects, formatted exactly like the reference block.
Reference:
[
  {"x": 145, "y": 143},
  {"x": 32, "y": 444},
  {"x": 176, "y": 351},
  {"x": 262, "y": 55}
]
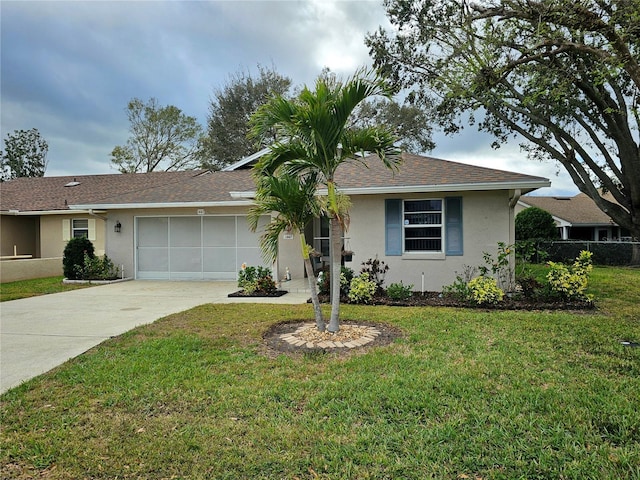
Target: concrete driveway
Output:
[{"x": 40, "y": 333}]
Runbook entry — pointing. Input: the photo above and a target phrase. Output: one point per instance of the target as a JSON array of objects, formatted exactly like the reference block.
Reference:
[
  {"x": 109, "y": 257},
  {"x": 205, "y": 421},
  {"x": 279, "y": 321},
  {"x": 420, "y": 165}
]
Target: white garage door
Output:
[{"x": 195, "y": 248}]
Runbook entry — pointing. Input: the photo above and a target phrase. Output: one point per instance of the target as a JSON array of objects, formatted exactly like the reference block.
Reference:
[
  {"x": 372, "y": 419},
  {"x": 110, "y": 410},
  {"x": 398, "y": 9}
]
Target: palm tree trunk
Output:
[
  {"x": 313, "y": 283},
  {"x": 335, "y": 245},
  {"x": 315, "y": 301}
]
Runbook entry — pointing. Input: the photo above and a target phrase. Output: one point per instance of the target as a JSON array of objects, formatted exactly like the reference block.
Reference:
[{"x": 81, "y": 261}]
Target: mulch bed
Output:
[
  {"x": 436, "y": 299},
  {"x": 242, "y": 293}
]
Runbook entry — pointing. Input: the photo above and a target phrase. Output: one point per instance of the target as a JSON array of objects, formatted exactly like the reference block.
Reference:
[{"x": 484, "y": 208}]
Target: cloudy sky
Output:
[{"x": 70, "y": 67}]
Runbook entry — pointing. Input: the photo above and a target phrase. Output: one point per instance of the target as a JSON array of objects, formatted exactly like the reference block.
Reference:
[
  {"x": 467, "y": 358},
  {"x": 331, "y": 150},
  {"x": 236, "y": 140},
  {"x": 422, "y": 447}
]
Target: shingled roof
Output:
[
  {"x": 420, "y": 173},
  {"x": 50, "y": 194},
  {"x": 577, "y": 210},
  {"x": 166, "y": 189}
]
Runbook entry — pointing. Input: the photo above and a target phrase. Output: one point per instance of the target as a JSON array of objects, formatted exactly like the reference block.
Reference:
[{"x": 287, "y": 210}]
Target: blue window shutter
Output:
[
  {"x": 453, "y": 215},
  {"x": 393, "y": 226}
]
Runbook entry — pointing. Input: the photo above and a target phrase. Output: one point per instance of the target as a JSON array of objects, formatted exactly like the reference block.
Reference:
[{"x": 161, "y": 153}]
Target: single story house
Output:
[
  {"x": 431, "y": 217},
  {"x": 578, "y": 217}
]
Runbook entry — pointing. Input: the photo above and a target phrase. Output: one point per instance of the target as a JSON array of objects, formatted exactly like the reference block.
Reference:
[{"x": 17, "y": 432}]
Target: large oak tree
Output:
[{"x": 563, "y": 75}]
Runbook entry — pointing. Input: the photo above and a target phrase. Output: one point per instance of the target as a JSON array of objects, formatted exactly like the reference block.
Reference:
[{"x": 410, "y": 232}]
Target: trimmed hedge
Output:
[{"x": 604, "y": 253}]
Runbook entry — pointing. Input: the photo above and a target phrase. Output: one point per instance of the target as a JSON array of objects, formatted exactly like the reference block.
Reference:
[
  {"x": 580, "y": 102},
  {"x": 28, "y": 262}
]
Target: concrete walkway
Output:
[{"x": 40, "y": 333}]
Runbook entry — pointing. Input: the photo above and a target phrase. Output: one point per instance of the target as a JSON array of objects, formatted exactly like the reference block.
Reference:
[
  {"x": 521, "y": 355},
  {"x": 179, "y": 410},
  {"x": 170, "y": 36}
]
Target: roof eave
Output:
[
  {"x": 130, "y": 206},
  {"x": 12, "y": 213},
  {"x": 525, "y": 187}
]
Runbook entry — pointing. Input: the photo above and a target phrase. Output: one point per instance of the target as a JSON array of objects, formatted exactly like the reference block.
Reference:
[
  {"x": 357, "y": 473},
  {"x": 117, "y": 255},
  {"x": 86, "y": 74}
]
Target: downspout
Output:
[
  {"x": 513, "y": 201},
  {"x": 93, "y": 214}
]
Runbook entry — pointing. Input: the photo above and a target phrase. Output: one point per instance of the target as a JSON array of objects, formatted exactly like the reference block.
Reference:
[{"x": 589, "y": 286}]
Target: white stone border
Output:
[{"x": 368, "y": 336}]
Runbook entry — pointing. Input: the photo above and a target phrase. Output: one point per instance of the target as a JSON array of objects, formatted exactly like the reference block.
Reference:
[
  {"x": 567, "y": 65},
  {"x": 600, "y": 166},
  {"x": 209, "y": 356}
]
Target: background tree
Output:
[
  {"x": 231, "y": 108},
  {"x": 161, "y": 138},
  {"x": 561, "y": 74},
  {"x": 226, "y": 140},
  {"x": 24, "y": 154},
  {"x": 534, "y": 223},
  {"x": 411, "y": 124},
  {"x": 314, "y": 136}
]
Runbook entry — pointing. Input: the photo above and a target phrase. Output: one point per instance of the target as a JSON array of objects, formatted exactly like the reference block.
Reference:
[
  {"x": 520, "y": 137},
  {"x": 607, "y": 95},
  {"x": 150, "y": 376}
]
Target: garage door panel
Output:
[
  {"x": 247, "y": 238},
  {"x": 185, "y": 232},
  {"x": 219, "y": 259},
  {"x": 153, "y": 232},
  {"x": 186, "y": 260},
  {"x": 219, "y": 231},
  {"x": 153, "y": 259},
  {"x": 250, "y": 256}
]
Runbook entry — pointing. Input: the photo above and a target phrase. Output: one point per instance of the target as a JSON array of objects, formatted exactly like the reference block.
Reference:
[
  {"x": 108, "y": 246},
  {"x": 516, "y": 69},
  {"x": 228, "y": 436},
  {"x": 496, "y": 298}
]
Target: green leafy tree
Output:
[
  {"x": 314, "y": 137},
  {"x": 293, "y": 199},
  {"x": 230, "y": 109},
  {"x": 563, "y": 75},
  {"x": 534, "y": 223},
  {"x": 24, "y": 154},
  {"x": 411, "y": 124},
  {"x": 161, "y": 138},
  {"x": 227, "y": 140}
]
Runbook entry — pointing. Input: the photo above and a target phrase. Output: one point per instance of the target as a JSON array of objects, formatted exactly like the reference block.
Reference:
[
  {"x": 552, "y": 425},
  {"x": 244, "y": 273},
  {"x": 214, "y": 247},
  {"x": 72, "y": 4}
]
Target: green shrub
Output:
[
  {"x": 399, "y": 291},
  {"x": 460, "y": 288},
  {"x": 256, "y": 279},
  {"x": 484, "y": 290},
  {"x": 570, "y": 283},
  {"x": 535, "y": 223},
  {"x": 96, "y": 268},
  {"x": 362, "y": 289},
  {"x": 74, "y": 256},
  {"x": 376, "y": 269},
  {"x": 500, "y": 267},
  {"x": 324, "y": 280}
]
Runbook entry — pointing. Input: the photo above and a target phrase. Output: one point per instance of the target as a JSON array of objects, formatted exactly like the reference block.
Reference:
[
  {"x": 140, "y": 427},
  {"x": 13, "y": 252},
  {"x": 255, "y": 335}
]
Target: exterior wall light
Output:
[{"x": 117, "y": 227}]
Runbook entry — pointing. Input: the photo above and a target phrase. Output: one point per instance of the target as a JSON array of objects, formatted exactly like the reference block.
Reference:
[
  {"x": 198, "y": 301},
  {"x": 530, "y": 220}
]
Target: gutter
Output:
[
  {"x": 19, "y": 213},
  {"x": 454, "y": 187},
  {"x": 146, "y": 206}
]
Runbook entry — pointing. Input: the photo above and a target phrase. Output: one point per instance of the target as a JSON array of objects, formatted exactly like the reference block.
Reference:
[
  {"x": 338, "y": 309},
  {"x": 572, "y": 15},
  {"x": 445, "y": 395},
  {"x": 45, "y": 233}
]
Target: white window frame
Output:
[
  {"x": 76, "y": 231},
  {"x": 407, "y": 225}
]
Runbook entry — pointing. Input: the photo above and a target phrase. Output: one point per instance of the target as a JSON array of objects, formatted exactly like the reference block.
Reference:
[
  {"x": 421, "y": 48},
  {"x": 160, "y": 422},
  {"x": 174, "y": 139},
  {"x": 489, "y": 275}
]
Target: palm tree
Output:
[
  {"x": 293, "y": 198},
  {"x": 316, "y": 136}
]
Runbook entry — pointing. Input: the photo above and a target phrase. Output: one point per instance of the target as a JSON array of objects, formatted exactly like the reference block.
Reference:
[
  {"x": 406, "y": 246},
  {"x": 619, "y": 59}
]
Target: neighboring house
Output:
[
  {"x": 432, "y": 217},
  {"x": 577, "y": 217},
  {"x": 35, "y": 215}
]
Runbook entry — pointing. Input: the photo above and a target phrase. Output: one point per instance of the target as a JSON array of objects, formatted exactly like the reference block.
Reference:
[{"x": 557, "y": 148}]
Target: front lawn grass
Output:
[
  {"x": 463, "y": 394},
  {"x": 35, "y": 287}
]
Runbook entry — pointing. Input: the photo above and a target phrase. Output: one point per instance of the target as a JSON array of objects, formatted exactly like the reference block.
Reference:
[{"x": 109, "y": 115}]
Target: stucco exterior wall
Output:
[
  {"x": 290, "y": 256},
  {"x": 53, "y": 241},
  {"x": 487, "y": 220},
  {"x": 26, "y": 269},
  {"x": 19, "y": 231}
]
